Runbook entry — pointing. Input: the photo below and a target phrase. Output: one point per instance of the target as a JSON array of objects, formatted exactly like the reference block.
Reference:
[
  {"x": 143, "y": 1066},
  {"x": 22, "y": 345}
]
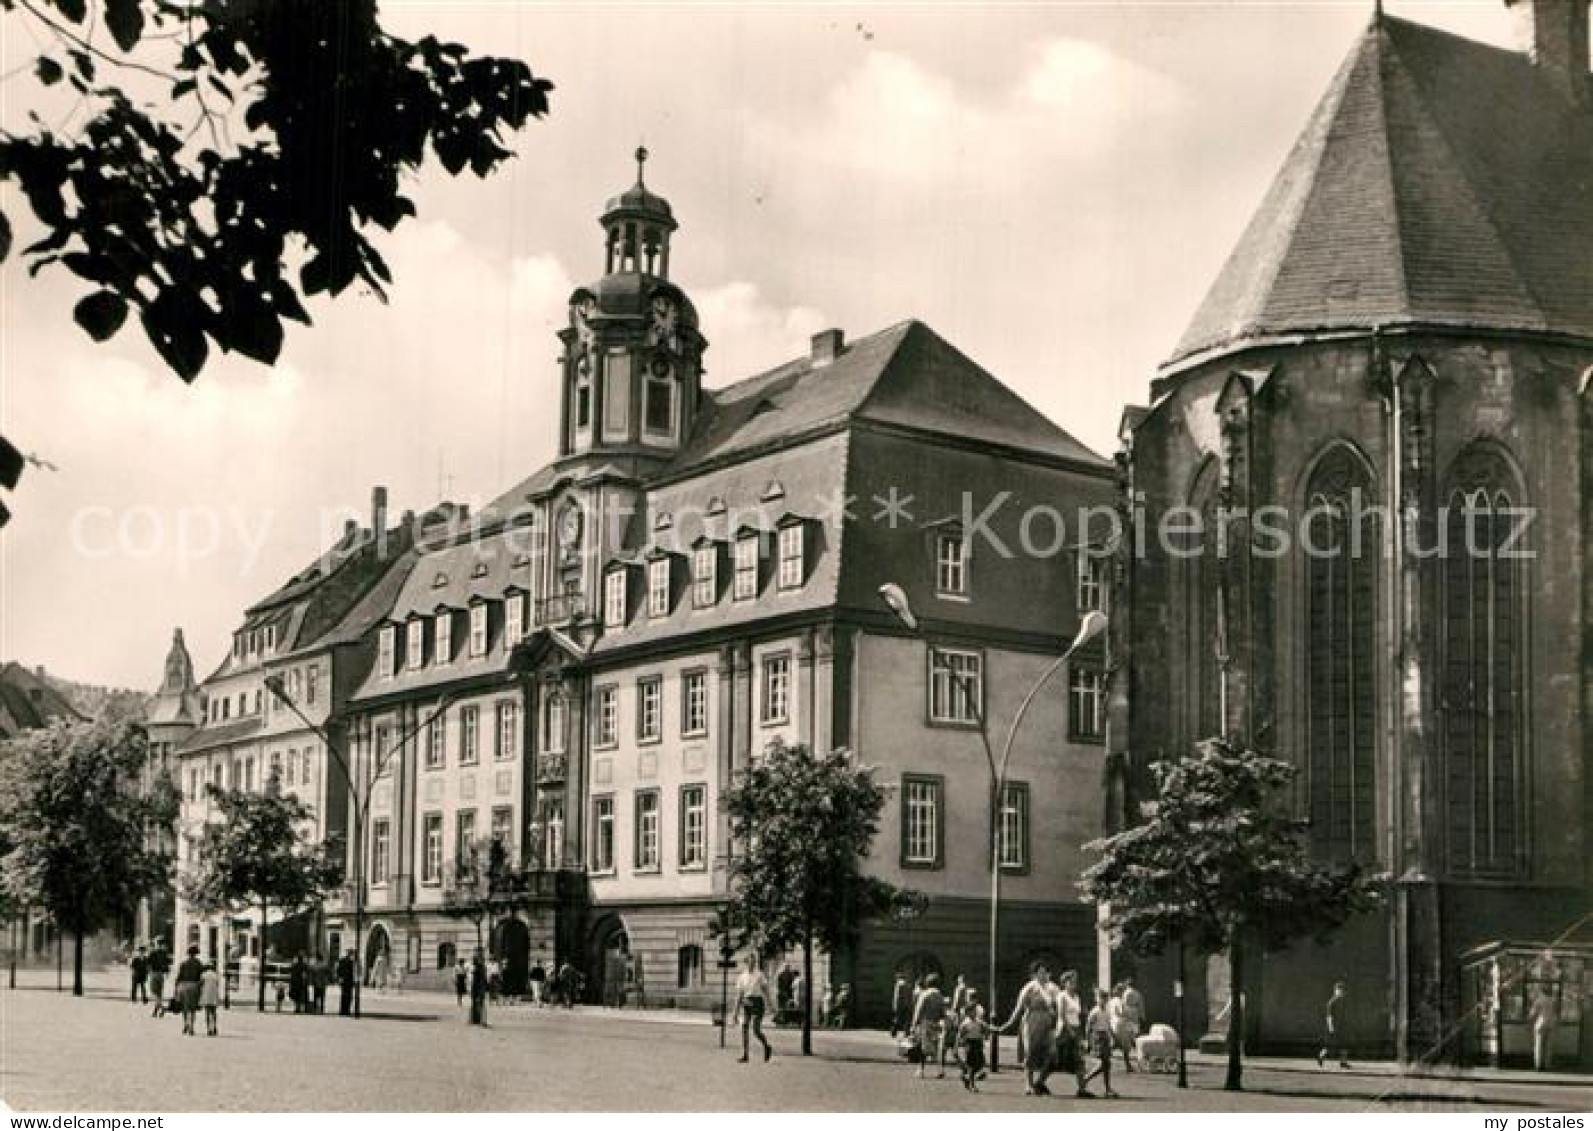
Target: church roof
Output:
[
  {"x": 905, "y": 375},
  {"x": 1439, "y": 182}
]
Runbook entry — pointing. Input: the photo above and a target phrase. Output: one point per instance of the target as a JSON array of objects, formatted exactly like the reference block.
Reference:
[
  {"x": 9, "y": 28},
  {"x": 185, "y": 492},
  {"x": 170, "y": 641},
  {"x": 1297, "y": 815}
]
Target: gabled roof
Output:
[
  {"x": 905, "y": 375},
  {"x": 28, "y": 701},
  {"x": 1439, "y": 182}
]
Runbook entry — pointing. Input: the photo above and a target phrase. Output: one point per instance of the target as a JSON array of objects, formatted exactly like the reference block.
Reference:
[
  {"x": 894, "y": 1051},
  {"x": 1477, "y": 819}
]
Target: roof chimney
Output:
[
  {"x": 827, "y": 346},
  {"x": 378, "y": 509},
  {"x": 1556, "y": 36}
]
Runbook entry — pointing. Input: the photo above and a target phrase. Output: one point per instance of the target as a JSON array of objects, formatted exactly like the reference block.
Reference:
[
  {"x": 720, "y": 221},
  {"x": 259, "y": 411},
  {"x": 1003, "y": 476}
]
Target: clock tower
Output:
[{"x": 632, "y": 362}]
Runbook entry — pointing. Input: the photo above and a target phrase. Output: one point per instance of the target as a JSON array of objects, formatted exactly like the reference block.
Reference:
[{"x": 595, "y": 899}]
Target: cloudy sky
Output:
[{"x": 1050, "y": 186}]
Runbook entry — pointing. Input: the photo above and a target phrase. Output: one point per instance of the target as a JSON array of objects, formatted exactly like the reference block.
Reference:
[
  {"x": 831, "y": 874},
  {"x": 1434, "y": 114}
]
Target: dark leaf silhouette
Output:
[{"x": 101, "y": 314}]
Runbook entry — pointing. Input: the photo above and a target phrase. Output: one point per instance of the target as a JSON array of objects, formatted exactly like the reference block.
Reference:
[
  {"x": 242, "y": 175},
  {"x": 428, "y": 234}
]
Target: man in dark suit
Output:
[{"x": 345, "y": 984}]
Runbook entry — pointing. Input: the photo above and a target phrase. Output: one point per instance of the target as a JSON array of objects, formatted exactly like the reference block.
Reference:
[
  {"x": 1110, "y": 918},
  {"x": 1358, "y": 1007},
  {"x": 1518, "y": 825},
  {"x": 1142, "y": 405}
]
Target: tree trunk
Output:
[
  {"x": 1236, "y": 1016},
  {"x": 264, "y": 948},
  {"x": 807, "y": 991},
  {"x": 77, "y": 961}
]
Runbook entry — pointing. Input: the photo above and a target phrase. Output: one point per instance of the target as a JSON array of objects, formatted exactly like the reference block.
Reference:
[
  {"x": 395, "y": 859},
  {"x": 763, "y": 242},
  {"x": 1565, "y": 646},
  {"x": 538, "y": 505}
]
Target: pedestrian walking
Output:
[
  {"x": 799, "y": 1001},
  {"x": 494, "y": 980},
  {"x": 1036, "y": 1012},
  {"x": 959, "y": 996},
  {"x": 478, "y": 990},
  {"x": 752, "y": 1001},
  {"x": 1133, "y": 1016},
  {"x": 1544, "y": 1016},
  {"x": 901, "y": 1006},
  {"x": 1333, "y": 1029},
  {"x": 159, "y": 967},
  {"x": 299, "y": 984},
  {"x": 971, "y": 1034},
  {"x": 345, "y": 984},
  {"x": 1071, "y": 1028},
  {"x": 1099, "y": 1040},
  {"x": 842, "y": 1007},
  {"x": 320, "y": 977},
  {"x": 1121, "y": 1037},
  {"x": 538, "y": 980},
  {"x": 210, "y": 997},
  {"x": 929, "y": 1026},
  {"x": 188, "y": 975},
  {"x": 461, "y": 982},
  {"x": 138, "y": 968}
]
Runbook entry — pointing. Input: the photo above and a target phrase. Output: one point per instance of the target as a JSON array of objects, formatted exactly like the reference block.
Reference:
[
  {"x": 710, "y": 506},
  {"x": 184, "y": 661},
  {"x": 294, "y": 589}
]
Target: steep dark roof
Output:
[
  {"x": 906, "y": 374},
  {"x": 1439, "y": 182},
  {"x": 28, "y": 702}
]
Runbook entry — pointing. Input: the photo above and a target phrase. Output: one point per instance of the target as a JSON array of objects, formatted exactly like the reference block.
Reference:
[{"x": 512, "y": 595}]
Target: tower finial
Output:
[
  {"x": 1377, "y": 11},
  {"x": 641, "y": 160}
]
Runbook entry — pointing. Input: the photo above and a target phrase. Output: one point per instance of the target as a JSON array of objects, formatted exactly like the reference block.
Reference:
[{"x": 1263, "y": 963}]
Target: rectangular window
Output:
[
  {"x": 647, "y": 830},
  {"x": 553, "y": 832},
  {"x": 381, "y": 847},
  {"x": 1014, "y": 843},
  {"x": 513, "y": 619},
  {"x": 792, "y": 564},
  {"x": 276, "y": 765},
  {"x": 437, "y": 743},
  {"x": 312, "y": 676},
  {"x": 602, "y": 834},
  {"x": 1090, "y": 587},
  {"x": 650, "y": 709},
  {"x": 614, "y": 599},
  {"x": 379, "y": 760},
  {"x": 658, "y": 588},
  {"x": 443, "y": 645},
  {"x": 704, "y": 576},
  {"x": 432, "y": 857},
  {"x": 384, "y": 652},
  {"x": 776, "y": 703},
  {"x": 693, "y": 826},
  {"x": 921, "y": 822},
  {"x": 951, "y": 565},
  {"x": 508, "y": 732},
  {"x": 415, "y": 644},
  {"x": 478, "y": 629},
  {"x": 1086, "y": 704},
  {"x": 469, "y": 735},
  {"x": 553, "y": 740},
  {"x": 607, "y": 717},
  {"x": 293, "y": 760},
  {"x": 503, "y": 826},
  {"x": 746, "y": 580},
  {"x": 694, "y": 704},
  {"x": 464, "y": 838},
  {"x": 659, "y": 411},
  {"x": 956, "y": 686}
]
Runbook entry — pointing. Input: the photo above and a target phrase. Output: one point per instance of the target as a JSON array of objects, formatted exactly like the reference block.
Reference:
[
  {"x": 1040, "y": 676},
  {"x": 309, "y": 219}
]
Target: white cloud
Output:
[{"x": 748, "y": 334}]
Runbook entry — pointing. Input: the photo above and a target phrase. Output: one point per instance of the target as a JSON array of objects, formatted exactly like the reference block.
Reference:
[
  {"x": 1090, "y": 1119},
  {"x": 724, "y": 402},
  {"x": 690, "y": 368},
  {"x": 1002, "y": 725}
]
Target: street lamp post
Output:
[
  {"x": 1091, "y": 626},
  {"x": 359, "y": 802}
]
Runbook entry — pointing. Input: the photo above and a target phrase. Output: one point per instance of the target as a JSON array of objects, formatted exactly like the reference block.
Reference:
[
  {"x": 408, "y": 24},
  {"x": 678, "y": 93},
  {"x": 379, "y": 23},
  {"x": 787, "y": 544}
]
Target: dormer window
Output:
[
  {"x": 745, "y": 586},
  {"x": 386, "y": 652},
  {"x": 705, "y": 575},
  {"x": 513, "y": 619},
  {"x": 442, "y": 637},
  {"x": 792, "y": 554},
  {"x": 658, "y": 585},
  {"x": 478, "y": 629},
  {"x": 415, "y": 644},
  {"x": 951, "y": 564},
  {"x": 615, "y": 612}
]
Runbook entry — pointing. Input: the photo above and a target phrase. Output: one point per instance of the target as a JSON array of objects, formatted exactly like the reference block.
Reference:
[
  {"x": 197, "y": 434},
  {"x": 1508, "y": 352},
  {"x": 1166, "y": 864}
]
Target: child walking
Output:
[
  {"x": 1098, "y": 1039},
  {"x": 210, "y": 997},
  {"x": 971, "y": 1034}
]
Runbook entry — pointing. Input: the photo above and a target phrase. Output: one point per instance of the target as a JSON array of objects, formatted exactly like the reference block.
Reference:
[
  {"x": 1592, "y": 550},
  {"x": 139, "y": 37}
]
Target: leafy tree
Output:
[
  {"x": 1219, "y": 865},
  {"x": 75, "y": 816},
  {"x": 484, "y": 885},
  {"x": 214, "y": 143},
  {"x": 260, "y": 854},
  {"x": 802, "y": 825}
]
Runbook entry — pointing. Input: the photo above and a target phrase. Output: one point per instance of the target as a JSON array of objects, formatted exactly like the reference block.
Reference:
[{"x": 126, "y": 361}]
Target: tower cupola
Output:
[{"x": 638, "y": 223}]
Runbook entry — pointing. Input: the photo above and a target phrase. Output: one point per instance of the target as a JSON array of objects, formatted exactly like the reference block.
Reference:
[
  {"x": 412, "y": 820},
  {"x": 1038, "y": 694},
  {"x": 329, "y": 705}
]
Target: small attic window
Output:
[
  {"x": 773, "y": 491},
  {"x": 480, "y": 570},
  {"x": 664, "y": 521},
  {"x": 521, "y": 561},
  {"x": 716, "y": 505},
  {"x": 439, "y": 581}
]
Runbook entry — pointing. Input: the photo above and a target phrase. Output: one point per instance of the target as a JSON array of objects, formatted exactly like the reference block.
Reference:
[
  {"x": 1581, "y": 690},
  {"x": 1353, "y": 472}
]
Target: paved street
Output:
[{"x": 415, "y": 1054}]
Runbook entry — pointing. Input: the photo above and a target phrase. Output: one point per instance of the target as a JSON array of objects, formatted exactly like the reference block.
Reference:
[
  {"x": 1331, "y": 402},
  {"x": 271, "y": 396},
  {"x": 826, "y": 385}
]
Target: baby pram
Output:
[{"x": 1158, "y": 1049}]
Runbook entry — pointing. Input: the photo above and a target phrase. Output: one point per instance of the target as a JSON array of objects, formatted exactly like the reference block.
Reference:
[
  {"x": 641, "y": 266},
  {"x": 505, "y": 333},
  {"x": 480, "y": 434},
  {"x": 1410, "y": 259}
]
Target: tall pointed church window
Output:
[{"x": 1340, "y": 542}]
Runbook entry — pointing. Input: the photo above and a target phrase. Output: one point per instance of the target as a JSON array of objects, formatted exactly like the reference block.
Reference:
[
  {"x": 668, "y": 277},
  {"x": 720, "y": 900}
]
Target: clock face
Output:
[{"x": 666, "y": 319}]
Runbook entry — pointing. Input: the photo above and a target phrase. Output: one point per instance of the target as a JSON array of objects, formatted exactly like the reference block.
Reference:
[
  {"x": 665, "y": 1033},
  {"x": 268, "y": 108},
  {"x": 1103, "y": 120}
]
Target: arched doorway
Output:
[
  {"x": 608, "y": 963},
  {"x": 514, "y": 949},
  {"x": 378, "y": 956}
]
